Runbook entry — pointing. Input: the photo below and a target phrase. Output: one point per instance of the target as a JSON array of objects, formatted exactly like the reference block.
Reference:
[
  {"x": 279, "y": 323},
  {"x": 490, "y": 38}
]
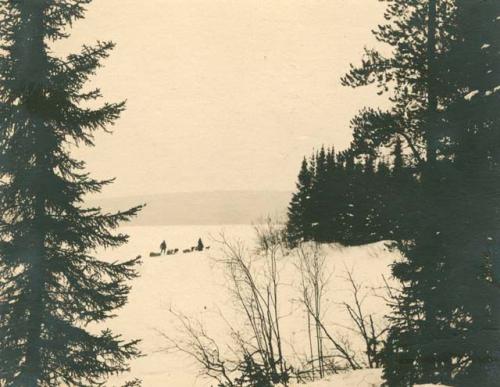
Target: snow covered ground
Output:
[
  {"x": 364, "y": 378},
  {"x": 360, "y": 378},
  {"x": 195, "y": 285}
]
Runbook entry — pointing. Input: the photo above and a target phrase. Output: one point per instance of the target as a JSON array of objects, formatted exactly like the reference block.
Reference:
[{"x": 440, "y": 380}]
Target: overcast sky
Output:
[{"x": 223, "y": 94}]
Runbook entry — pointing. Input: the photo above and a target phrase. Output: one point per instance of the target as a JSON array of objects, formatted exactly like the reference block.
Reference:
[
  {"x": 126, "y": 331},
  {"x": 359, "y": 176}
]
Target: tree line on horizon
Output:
[{"x": 443, "y": 131}]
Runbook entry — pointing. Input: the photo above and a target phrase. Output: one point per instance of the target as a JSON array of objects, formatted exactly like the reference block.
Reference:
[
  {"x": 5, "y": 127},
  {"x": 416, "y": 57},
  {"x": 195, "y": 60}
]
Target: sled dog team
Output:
[{"x": 163, "y": 249}]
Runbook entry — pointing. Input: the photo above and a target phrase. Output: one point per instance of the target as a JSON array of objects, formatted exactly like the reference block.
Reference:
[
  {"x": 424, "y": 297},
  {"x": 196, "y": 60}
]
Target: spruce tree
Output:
[
  {"x": 334, "y": 194},
  {"x": 398, "y": 162},
  {"x": 320, "y": 198},
  {"x": 444, "y": 327},
  {"x": 472, "y": 121},
  {"x": 402, "y": 195},
  {"x": 51, "y": 284},
  {"x": 299, "y": 221},
  {"x": 414, "y": 29},
  {"x": 348, "y": 209}
]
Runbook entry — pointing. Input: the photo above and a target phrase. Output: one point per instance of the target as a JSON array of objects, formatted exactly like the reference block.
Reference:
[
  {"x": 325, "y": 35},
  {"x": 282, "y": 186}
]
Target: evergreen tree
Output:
[
  {"x": 443, "y": 326},
  {"x": 320, "y": 202},
  {"x": 402, "y": 194},
  {"x": 421, "y": 316},
  {"x": 334, "y": 192},
  {"x": 348, "y": 209},
  {"x": 473, "y": 175},
  {"x": 397, "y": 153},
  {"x": 51, "y": 286},
  {"x": 299, "y": 220}
]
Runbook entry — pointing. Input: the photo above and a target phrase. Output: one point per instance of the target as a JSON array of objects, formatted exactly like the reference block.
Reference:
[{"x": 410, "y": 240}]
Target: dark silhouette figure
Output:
[
  {"x": 163, "y": 247},
  {"x": 200, "y": 246}
]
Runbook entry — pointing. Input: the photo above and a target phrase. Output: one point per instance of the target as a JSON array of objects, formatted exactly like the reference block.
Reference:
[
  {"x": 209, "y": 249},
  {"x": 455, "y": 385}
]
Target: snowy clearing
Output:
[{"x": 195, "y": 285}]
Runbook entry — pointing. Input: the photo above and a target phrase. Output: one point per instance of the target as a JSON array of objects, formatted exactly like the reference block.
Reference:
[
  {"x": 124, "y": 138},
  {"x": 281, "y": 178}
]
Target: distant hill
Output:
[{"x": 202, "y": 208}]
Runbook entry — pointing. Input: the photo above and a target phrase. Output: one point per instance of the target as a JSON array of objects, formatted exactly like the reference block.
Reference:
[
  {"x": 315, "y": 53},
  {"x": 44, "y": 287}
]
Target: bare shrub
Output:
[
  {"x": 364, "y": 323},
  {"x": 255, "y": 284},
  {"x": 196, "y": 343},
  {"x": 314, "y": 280},
  {"x": 254, "y": 353},
  {"x": 270, "y": 235}
]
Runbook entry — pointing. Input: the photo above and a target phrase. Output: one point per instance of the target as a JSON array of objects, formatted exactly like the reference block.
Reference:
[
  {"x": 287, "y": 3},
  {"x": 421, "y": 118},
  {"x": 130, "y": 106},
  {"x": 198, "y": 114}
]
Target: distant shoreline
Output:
[{"x": 201, "y": 208}]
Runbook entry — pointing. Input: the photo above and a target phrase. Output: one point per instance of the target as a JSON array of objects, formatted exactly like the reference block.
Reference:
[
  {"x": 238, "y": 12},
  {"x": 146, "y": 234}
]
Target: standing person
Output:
[
  {"x": 200, "y": 245},
  {"x": 163, "y": 247}
]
